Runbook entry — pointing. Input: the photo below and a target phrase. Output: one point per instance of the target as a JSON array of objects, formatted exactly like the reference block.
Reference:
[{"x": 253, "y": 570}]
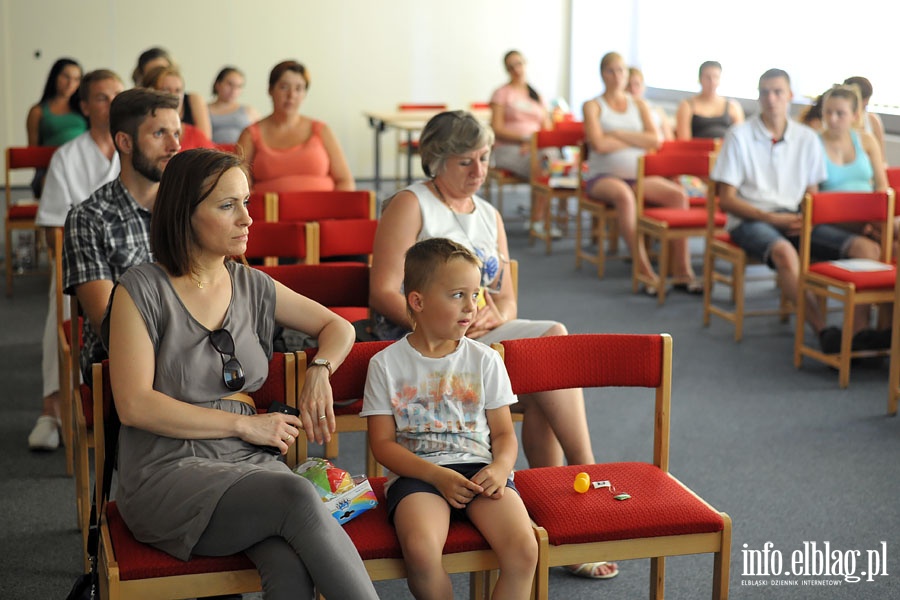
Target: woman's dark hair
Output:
[
  {"x": 285, "y": 66},
  {"x": 50, "y": 86},
  {"x": 813, "y": 112},
  {"x": 188, "y": 180},
  {"x": 532, "y": 93},
  {"x": 707, "y": 64},
  {"x": 225, "y": 72},
  {"x": 864, "y": 85},
  {"x": 147, "y": 56}
]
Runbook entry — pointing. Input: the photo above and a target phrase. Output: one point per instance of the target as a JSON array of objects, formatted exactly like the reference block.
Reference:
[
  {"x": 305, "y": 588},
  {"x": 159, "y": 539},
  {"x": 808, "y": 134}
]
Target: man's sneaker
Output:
[{"x": 45, "y": 435}]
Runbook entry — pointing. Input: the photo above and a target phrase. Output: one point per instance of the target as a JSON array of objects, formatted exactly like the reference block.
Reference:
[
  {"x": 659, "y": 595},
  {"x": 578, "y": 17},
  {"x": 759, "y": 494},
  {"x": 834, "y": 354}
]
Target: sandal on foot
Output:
[
  {"x": 692, "y": 287},
  {"x": 594, "y": 570},
  {"x": 650, "y": 290}
]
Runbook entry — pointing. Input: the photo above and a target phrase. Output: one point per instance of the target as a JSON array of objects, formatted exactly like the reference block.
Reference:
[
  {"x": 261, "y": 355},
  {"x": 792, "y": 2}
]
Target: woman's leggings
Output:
[{"x": 281, "y": 523}]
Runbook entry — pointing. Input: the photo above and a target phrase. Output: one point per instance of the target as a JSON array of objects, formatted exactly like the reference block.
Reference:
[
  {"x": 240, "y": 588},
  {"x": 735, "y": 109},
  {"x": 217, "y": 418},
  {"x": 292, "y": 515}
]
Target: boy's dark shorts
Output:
[{"x": 404, "y": 486}]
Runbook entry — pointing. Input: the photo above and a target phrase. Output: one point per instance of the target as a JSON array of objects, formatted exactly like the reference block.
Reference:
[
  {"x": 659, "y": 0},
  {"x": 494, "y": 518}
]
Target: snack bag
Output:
[{"x": 346, "y": 496}]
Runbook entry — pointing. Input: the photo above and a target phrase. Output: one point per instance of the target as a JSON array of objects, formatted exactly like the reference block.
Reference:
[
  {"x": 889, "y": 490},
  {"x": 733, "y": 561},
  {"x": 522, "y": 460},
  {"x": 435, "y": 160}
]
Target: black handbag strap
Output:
[{"x": 111, "y": 446}]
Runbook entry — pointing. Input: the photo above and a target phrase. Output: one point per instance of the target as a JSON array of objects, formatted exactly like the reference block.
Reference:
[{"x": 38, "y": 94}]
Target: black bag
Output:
[{"x": 85, "y": 587}]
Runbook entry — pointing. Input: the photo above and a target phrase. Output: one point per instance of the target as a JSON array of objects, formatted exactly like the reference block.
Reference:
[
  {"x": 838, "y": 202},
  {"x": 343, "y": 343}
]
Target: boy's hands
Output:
[
  {"x": 492, "y": 480},
  {"x": 455, "y": 488}
]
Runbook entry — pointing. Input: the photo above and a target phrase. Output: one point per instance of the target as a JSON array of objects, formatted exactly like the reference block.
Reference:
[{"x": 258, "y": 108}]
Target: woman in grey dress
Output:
[{"x": 188, "y": 337}]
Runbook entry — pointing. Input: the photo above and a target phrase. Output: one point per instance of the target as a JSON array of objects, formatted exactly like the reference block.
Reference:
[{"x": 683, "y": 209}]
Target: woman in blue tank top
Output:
[{"x": 852, "y": 157}]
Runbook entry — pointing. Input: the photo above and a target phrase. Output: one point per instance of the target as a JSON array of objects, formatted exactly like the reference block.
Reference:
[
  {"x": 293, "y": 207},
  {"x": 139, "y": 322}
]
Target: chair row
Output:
[{"x": 662, "y": 518}]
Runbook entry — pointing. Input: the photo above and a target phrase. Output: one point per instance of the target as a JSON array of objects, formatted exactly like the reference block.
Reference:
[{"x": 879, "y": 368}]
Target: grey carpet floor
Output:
[{"x": 791, "y": 457}]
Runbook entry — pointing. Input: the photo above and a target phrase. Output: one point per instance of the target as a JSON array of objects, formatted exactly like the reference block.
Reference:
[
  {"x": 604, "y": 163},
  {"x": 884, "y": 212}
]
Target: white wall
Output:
[{"x": 361, "y": 54}]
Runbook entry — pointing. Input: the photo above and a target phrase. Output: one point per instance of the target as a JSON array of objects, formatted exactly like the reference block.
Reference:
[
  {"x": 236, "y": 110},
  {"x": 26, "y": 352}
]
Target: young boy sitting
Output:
[{"x": 438, "y": 414}]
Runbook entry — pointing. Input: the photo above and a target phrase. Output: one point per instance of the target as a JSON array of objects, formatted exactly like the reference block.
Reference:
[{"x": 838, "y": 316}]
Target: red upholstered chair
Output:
[
  {"x": 542, "y": 186},
  {"x": 342, "y": 288},
  {"x": 702, "y": 145},
  {"x": 81, "y": 405},
  {"x": 263, "y": 206},
  {"x": 130, "y": 569},
  {"x": 20, "y": 216},
  {"x": 840, "y": 281},
  {"x": 272, "y": 241},
  {"x": 663, "y": 517},
  {"x": 306, "y": 206},
  {"x": 342, "y": 238},
  {"x": 894, "y": 367},
  {"x": 720, "y": 247},
  {"x": 347, "y": 386},
  {"x": 668, "y": 224},
  {"x": 569, "y": 125},
  {"x": 604, "y": 225}
]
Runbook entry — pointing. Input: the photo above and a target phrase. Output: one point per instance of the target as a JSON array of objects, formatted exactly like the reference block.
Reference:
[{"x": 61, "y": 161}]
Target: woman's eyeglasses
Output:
[{"x": 232, "y": 372}]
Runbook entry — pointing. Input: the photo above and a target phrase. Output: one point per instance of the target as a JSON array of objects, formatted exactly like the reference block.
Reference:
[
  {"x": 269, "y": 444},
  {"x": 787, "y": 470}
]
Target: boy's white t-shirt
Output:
[{"x": 439, "y": 404}]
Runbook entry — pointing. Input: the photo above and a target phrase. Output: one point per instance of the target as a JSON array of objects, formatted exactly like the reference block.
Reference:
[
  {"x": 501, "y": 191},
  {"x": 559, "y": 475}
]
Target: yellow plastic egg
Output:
[{"x": 582, "y": 483}]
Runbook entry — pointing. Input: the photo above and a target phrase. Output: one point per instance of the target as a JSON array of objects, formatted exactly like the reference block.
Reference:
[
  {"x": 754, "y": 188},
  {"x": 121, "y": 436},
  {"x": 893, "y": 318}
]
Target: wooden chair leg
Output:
[
  {"x": 737, "y": 291},
  {"x": 658, "y": 578}
]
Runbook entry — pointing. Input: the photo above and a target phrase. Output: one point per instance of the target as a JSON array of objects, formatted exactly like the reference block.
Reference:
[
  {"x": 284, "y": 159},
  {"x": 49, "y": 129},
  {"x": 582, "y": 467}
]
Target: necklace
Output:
[
  {"x": 441, "y": 195},
  {"x": 196, "y": 279}
]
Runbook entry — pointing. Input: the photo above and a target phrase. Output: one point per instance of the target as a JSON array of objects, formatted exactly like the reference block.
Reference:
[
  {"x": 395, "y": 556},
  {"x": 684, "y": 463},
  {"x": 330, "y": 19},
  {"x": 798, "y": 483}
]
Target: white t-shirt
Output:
[
  {"x": 439, "y": 404},
  {"x": 770, "y": 175},
  {"x": 76, "y": 170}
]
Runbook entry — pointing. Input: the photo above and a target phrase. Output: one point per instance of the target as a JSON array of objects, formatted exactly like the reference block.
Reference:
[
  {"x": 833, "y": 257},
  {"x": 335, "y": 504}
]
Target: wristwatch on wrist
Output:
[{"x": 323, "y": 362}]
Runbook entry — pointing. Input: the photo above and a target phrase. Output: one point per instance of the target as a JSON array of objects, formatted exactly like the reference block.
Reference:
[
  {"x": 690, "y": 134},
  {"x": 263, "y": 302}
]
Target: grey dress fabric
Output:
[{"x": 168, "y": 487}]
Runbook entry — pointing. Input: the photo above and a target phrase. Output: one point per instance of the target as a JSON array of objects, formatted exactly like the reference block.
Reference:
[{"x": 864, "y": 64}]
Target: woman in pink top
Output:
[
  {"x": 517, "y": 111},
  {"x": 287, "y": 151}
]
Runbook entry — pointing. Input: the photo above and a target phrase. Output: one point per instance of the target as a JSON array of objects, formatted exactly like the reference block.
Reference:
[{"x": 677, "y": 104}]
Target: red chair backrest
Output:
[
  {"x": 284, "y": 240},
  {"x": 315, "y": 206},
  {"x": 257, "y": 207},
  {"x": 25, "y": 157},
  {"x": 893, "y": 179},
  {"x": 558, "y": 138},
  {"x": 274, "y": 387},
  {"x": 583, "y": 360},
  {"x": 349, "y": 382},
  {"x": 343, "y": 237},
  {"x": 672, "y": 164},
  {"x": 848, "y": 207},
  {"x": 331, "y": 285},
  {"x": 577, "y": 126},
  {"x": 692, "y": 145}
]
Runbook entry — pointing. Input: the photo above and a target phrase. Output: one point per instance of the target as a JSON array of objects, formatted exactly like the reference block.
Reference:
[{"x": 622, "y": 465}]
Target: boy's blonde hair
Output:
[{"x": 424, "y": 258}]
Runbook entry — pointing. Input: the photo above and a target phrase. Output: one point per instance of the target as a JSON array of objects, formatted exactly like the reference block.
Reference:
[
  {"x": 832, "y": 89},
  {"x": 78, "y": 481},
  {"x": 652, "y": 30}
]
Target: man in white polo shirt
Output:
[
  {"x": 77, "y": 169},
  {"x": 766, "y": 165}
]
